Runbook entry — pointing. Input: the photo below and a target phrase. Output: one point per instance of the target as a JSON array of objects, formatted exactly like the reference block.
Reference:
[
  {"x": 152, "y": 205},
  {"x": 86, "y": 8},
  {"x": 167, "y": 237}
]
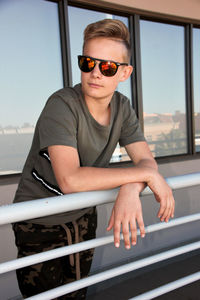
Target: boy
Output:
[{"x": 74, "y": 139}]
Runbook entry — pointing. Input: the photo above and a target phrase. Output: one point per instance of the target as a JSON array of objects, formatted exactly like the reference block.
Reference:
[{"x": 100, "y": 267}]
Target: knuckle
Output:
[
  {"x": 116, "y": 230},
  {"x": 125, "y": 231}
]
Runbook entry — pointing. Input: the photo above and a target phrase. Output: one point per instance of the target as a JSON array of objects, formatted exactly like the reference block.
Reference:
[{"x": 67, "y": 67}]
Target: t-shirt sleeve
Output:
[
  {"x": 57, "y": 124},
  {"x": 131, "y": 130}
]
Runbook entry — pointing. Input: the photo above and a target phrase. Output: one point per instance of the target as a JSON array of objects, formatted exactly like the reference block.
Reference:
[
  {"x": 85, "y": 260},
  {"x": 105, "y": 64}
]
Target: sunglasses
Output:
[{"x": 107, "y": 67}]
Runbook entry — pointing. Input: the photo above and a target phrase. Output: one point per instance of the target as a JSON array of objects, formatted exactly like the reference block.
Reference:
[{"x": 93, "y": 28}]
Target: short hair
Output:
[{"x": 108, "y": 28}]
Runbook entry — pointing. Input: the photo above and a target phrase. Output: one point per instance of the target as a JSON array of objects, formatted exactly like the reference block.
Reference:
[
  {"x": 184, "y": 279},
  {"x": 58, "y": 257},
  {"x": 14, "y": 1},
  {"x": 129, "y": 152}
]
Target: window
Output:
[
  {"x": 163, "y": 87},
  {"x": 196, "y": 69},
  {"x": 30, "y": 70},
  {"x": 76, "y": 29}
]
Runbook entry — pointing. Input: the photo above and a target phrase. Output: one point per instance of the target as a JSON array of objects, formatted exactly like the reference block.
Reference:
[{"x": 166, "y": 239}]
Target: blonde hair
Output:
[{"x": 108, "y": 28}]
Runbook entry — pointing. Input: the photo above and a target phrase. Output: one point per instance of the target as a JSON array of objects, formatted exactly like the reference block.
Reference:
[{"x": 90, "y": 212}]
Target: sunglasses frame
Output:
[{"x": 100, "y": 64}]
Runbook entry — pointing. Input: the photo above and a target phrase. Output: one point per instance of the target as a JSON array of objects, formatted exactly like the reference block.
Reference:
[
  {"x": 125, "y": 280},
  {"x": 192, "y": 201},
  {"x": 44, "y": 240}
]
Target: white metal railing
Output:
[
  {"x": 79, "y": 284},
  {"x": 54, "y": 205},
  {"x": 28, "y": 210},
  {"x": 94, "y": 243},
  {"x": 168, "y": 287}
]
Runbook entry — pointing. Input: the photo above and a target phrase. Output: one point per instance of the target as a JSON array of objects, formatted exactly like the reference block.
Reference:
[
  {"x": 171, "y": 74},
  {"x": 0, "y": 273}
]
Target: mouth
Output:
[{"x": 94, "y": 85}]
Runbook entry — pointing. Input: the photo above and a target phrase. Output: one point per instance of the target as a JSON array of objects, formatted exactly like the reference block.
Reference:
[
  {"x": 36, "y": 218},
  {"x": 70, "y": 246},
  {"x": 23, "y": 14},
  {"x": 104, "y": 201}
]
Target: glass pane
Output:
[
  {"x": 163, "y": 87},
  {"x": 196, "y": 69},
  {"x": 76, "y": 29},
  {"x": 30, "y": 70}
]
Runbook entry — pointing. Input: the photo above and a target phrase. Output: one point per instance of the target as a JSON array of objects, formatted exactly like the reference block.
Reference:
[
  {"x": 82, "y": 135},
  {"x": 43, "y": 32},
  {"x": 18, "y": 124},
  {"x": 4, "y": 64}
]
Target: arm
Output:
[
  {"x": 73, "y": 178},
  {"x": 127, "y": 210},
  {"x": 156, "y": 182}
]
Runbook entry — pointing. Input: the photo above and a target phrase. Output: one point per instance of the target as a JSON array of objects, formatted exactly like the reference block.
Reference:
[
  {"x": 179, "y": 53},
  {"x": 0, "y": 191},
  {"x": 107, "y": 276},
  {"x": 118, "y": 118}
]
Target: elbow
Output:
[{"x": 68, "y": 185}]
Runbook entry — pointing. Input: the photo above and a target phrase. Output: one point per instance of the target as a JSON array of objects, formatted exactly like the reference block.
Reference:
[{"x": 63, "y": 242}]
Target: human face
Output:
[{"x": 94, "y": 84}]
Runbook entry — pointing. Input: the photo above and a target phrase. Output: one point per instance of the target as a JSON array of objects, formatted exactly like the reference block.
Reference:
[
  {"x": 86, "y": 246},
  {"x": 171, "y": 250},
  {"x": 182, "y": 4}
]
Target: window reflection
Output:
[
  {"x": 196, "y": 69},
  {"x": 30, "y": 70},
  {"x": 163, "y": 87}
]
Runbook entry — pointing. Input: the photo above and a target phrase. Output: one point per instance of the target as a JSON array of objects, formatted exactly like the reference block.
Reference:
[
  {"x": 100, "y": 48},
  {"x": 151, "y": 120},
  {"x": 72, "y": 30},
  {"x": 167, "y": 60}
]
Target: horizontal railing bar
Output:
[
  {"x": 94, "y": 243},
  {"x": 82, "y": 283},
  {"x": 54, "y": 205},
  {"x": 168, "y": 287},
  {"x": 49, "y": 206}
]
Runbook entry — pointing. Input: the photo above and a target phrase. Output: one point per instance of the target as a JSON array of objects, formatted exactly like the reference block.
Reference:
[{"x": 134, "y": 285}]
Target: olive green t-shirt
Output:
[{"x": 66, "y": 120}]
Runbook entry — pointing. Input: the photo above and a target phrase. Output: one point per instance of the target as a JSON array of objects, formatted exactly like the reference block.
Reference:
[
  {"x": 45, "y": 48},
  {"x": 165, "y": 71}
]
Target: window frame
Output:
[
  {"x": 194, "y": 26},
  {"x": 136, "y": 78}
]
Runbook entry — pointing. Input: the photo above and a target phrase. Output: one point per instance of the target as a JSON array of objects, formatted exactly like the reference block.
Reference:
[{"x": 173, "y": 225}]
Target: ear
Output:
[{"x": 126, "y": 72}]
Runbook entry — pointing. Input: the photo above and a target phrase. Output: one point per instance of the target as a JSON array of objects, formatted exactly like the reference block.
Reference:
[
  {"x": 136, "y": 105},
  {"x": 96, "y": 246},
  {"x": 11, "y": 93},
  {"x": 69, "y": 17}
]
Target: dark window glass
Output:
[
  {"x": 163, "y": 87},
  {"x": 30, "y": 70}
]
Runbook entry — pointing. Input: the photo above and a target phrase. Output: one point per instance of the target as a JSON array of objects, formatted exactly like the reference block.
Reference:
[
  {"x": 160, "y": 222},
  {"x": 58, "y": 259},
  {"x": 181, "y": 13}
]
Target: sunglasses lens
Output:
[
  {"x": 86, "y": 64},
  {"x": 108, "y": 68}
]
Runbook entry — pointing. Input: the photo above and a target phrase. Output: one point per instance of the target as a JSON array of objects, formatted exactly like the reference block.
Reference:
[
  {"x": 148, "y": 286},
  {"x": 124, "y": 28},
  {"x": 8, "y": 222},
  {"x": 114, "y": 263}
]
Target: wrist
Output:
[
  {"x": 139, "y": 186},
  {"x": 133, "y": 187},
  {"x": 149, "y": 174}
]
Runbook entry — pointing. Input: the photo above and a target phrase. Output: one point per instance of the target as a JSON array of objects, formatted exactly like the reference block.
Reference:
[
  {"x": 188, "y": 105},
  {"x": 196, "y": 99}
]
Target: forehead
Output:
[{"x": 106, "y": 49}]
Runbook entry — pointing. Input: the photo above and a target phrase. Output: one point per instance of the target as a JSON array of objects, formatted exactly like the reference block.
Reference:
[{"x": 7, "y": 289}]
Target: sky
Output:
[
  {"x": 31, "y": 69},
  {"x": 30, "y": 59}
]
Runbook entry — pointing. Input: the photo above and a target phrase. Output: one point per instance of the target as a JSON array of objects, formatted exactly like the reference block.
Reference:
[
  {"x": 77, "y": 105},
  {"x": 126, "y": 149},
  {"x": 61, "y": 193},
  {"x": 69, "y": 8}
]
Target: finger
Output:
[
  {"x": 133, "y": 229},
  {"x": 169, "y": 210},
  {"x": 173, "y": 207},
  {"x": 162, "y": 209},
  {"x": 125, "y": 230},
  {"x": 140, "y": 222},
  {"x": 117, "y": 227},
  {"x": 166, "y": 214},
  {"x": 111, "y": 221}
]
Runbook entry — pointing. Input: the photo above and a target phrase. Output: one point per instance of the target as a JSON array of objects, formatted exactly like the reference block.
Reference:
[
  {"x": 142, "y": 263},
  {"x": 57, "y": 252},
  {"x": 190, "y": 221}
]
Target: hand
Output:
[
  {"x": 127, "y": 211},
  {"x": 163, "y": 195}
]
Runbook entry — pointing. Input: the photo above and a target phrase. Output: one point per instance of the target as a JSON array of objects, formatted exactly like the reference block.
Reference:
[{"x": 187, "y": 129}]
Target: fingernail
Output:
[
  {"x": 128, "y": 247},
  {"x": 117, "y": 245},
  {"x": 143, "y": 235}
]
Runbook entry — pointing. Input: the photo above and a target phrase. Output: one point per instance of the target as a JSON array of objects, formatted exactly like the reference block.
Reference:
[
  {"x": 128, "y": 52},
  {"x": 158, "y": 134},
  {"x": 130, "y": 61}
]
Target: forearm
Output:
[
  {"x": 90, "y": 178},
  {"x": 71, "y": 177}
]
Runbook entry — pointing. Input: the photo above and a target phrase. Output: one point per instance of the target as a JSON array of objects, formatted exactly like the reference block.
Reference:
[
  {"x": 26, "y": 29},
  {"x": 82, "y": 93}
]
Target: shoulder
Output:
[
  {"x": 65, "y": 99},
  {"x": 67, "y": 95}
]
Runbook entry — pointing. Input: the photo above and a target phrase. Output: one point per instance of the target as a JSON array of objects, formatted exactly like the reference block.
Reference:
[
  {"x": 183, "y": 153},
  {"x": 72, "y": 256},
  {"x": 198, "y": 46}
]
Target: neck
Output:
[{"x": 99, "y": 109}]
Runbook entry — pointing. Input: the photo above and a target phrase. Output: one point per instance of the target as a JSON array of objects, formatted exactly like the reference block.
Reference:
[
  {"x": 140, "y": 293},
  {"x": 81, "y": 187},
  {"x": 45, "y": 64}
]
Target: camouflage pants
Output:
[{"x": 34, "y": 238}]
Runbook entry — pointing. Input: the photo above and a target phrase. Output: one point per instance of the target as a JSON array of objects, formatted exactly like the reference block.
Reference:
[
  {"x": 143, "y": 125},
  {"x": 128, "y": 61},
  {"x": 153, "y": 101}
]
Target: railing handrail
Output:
[
  {"x": 82, "y": 246},
  {"x": 168, "y": 287},
  {"x": 49, "y": 206},
  {"x": 117, "y": 271}
]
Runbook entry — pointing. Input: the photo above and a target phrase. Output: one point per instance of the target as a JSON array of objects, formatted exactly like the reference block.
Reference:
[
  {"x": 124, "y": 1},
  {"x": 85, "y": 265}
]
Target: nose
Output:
[{"x": 96, "y": 71}]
